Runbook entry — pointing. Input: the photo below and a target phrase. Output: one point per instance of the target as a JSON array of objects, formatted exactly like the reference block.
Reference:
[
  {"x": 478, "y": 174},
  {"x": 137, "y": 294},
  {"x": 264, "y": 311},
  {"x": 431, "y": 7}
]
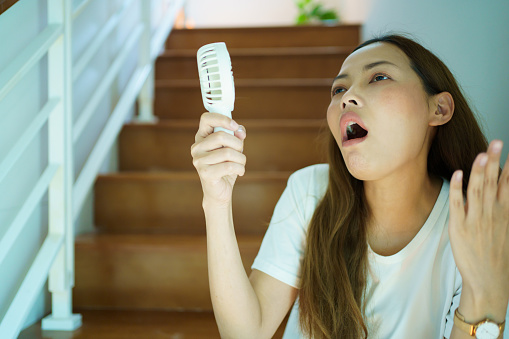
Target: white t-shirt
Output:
[{"x": 411, "y": 294}]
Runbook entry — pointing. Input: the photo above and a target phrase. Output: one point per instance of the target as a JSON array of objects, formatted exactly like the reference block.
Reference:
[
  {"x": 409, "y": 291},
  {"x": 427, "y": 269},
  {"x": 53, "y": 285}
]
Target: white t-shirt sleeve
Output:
[
  {"x": 282, "y": 249},
  {"x": 449, "y": 318}
]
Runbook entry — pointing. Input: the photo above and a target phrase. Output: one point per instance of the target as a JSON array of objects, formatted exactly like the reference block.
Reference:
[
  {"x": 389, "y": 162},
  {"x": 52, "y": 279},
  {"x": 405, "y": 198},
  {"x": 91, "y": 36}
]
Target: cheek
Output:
[
  {"x": 405, "y": 110},
  {"x": 333, "y": 118}
]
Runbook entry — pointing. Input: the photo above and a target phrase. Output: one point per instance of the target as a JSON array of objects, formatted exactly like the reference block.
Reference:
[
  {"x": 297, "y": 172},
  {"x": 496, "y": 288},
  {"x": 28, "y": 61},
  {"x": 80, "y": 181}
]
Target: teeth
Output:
[{"x": 349, "y": 128}]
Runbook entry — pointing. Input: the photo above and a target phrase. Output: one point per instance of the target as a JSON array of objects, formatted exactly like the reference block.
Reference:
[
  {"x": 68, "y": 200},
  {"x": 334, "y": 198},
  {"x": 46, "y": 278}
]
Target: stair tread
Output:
[
  {"x": 154, "y": 241},
  {"x": 190, "y": 176},
  {"x": 262, "y": 124},
  {"x": 147, "y": 271},
  {"x": 278, "y": 36},
  {"x": 265, "y": 51},
  {"x": 269, "y": 29},
  {"x": 134, "y": 324},
  {"x": 290, "y": 82}
]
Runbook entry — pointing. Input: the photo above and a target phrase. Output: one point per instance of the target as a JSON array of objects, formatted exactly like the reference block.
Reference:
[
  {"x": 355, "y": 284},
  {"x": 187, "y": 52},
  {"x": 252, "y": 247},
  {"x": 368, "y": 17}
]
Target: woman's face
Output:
[{"x": 377, "y": 92}]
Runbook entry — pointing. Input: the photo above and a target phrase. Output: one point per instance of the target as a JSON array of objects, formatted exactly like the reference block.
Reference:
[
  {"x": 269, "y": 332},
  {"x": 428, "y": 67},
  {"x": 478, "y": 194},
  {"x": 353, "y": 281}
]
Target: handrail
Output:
[
  {"x": 80, "y": 8},
  {"x": 106, "y": 139},
  {"x": 26, "y": 210},
  {"x": 27, "y": 58},
  {"x": 94, "y": 46},
  {"x": 160, "y": 37},
  {"x": 26, "y": 138},
  {"x": 30, "y": 287},
  {"x": 55, "y": 258},
  {"x": 106, "y": 82}
]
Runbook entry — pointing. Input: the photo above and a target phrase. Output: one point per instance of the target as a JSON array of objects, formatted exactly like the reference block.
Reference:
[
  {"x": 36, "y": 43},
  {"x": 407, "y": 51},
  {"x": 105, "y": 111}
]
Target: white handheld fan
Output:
[{"x": 216, "y": 80}]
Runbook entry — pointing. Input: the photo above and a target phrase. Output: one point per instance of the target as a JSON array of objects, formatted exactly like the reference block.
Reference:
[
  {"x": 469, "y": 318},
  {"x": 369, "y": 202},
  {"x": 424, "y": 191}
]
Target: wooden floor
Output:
[{"x": 136, "y": 325}]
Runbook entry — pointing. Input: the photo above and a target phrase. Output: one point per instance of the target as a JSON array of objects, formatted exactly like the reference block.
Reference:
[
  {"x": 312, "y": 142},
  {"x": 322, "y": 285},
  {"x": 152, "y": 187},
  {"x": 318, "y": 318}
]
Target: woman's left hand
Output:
[{"x": 479, "y": 235}]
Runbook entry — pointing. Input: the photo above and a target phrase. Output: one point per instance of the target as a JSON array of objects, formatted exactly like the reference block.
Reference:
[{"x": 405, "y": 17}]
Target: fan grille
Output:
[{"x": 210, "y": 80}]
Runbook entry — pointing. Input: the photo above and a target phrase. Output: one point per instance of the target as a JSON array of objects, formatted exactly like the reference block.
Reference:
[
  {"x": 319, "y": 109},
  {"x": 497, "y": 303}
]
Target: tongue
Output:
[{"x": 356, "y": 132}]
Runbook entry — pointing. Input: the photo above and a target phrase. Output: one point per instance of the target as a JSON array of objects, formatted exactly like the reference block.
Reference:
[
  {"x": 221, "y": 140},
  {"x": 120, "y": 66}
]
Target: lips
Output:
[{"x": 352, "y": 129}]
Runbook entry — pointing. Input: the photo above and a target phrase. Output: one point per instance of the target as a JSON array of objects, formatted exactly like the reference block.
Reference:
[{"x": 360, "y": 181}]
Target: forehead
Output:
[{"x": 373, "y": 53}]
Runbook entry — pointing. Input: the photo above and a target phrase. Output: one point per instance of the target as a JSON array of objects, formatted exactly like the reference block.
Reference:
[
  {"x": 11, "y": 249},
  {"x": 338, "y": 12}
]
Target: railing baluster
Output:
[
  {"x": 146, "y": 97},
  {"x": 61, "y": 277}
]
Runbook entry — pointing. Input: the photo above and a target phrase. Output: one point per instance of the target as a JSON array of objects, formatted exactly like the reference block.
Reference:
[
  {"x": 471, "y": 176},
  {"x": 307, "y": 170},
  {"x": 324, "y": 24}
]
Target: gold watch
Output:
[{"x": 484, "y": 329}]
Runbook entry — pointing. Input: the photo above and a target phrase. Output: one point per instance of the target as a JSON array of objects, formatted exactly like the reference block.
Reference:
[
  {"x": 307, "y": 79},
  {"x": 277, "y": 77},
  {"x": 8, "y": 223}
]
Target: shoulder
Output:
[
  {"x": 311, "y": 179},
  {"x": 306, "y": 187}
]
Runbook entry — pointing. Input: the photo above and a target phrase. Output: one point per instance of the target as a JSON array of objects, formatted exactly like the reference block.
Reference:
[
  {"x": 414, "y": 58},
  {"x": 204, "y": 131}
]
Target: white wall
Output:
[
  {"x": 245, "y": 13},
  {"x": 471, "y": 37}
]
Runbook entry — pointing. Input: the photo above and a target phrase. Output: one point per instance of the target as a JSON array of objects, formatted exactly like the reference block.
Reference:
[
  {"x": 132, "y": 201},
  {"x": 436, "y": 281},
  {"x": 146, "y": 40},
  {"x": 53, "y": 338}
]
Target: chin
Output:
[{"x": 359, "y": 167}]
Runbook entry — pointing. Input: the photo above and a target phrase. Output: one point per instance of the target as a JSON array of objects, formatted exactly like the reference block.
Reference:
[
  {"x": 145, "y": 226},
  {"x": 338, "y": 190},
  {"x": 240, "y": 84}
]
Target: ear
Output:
[{"x": 443, "y": 109}]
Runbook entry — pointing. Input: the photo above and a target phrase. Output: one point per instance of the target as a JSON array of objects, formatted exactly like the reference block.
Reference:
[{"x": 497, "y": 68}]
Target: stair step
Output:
[
  {"x": 130, "y": 324},
  {"x": 140, "y": 271},
  {"x": 171, "y": 202},
  {"x": 272, "y": 145},
  {"x": 254, "y": 99},
  {"x": 296, "y": 62},
  {"x": 255, "y": 37}
]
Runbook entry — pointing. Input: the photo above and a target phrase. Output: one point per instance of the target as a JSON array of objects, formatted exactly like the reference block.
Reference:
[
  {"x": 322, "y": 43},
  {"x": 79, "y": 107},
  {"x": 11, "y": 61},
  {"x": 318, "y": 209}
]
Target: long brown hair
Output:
[{"x": 335, "y": 264}]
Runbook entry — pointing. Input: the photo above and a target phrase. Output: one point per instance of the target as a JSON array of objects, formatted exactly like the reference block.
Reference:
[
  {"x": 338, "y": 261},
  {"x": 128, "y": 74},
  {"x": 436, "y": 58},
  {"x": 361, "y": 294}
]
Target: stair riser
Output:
[
  {"x": 137, "y": 277},
  {"x": 169, "y": 205},
  {"x": 288, "y": 102},
  {"x": 267, "y": 149},
  {"x": 296, "y": 66},
  {"x": 304, "y": 36}
]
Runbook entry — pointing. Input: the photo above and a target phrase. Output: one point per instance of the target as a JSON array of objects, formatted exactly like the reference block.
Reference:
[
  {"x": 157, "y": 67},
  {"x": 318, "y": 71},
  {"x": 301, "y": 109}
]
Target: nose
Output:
[
  {"x": 349, "y": 101},
  {"x": 351, "y": 97}
]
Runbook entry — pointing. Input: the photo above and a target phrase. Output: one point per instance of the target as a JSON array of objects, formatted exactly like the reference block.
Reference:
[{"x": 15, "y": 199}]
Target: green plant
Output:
[{"x": 312, "y": 11}]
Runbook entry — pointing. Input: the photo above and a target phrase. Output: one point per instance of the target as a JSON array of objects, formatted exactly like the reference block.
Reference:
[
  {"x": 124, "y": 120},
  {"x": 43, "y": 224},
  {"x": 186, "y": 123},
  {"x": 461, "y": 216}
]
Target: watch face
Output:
[{"x": 487, "y": 330}]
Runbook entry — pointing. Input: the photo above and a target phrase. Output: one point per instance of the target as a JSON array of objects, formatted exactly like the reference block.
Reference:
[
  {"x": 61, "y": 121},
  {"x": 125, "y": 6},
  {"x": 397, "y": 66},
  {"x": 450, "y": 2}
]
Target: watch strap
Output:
[{"x": 459, "y": 322}]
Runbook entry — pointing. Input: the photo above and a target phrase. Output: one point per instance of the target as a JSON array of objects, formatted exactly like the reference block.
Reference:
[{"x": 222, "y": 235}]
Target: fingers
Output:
[
  {"x": 241, "y": 132},
  {"x": 503, "y": 186},
  {"x": 491, "y": 176},
  {"x": 456, "y": 202},
  {"x": 218, "y": 171},
  {"x": 219, "y": 156},
  {"x": 216, "y": 141},
  {"x": 475, "y": 187},
  {"x": 217, "y": 163},
  {"x": 210, "y": 120}
]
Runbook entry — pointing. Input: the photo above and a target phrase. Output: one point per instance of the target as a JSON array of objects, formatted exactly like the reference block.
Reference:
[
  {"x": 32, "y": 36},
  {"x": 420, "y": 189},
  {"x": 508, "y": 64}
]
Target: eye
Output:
[
  {"x": 379, "y": 77},
  {"x": 337, "y": 90}
]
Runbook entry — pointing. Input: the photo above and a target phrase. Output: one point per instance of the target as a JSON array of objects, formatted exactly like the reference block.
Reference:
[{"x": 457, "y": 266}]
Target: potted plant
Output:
[{"x": 312, "y": 12}]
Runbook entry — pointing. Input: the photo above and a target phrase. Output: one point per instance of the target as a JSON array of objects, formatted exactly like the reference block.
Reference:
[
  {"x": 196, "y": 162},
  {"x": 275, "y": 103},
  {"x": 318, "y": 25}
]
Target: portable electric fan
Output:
[{"x": 216, "y": 80}]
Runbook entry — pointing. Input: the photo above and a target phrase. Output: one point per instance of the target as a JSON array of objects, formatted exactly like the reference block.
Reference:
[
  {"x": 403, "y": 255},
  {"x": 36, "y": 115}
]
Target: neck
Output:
[{"x": 399, "y": 206}]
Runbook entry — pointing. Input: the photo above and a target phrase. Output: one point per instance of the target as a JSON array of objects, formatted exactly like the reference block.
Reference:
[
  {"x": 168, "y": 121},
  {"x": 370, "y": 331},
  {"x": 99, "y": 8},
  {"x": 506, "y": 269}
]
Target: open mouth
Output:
[{"x": 355, "y": 131}]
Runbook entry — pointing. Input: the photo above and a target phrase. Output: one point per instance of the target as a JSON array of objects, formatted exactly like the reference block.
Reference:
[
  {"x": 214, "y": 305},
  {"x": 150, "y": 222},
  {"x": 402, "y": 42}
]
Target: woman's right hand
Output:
[{"x": 218, "y": 157}]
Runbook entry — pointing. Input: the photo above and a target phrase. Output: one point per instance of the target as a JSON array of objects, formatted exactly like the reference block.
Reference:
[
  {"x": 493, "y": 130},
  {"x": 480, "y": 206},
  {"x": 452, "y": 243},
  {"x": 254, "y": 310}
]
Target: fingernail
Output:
[
  {"x": 241, "y": 129},
  {"x": 234, "y": 125},
  {"x": 483, "y": 160},
  {"x": 458, "y": 176},
  {"x": 496, "y": 146}
]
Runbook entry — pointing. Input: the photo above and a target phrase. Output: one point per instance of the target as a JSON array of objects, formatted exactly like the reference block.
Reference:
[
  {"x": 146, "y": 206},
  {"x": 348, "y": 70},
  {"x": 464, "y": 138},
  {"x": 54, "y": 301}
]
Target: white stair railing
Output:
[{"x": 55, "y": 258}]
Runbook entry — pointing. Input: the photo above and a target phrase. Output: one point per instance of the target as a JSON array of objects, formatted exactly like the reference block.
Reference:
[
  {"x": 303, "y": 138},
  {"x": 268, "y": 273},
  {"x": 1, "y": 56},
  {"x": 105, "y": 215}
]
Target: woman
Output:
[{"x": 377, "y": 243}]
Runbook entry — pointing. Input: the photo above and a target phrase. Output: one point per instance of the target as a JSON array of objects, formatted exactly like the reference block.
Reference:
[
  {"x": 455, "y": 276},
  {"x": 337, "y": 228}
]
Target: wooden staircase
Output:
[{"x": 149, "y": 250}]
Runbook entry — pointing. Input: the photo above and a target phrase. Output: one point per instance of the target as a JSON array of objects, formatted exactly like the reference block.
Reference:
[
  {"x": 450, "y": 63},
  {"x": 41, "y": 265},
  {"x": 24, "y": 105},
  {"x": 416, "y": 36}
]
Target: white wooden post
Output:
[
  {"x": 146, "y": 96},
  {"x": 61, "y": 277}
]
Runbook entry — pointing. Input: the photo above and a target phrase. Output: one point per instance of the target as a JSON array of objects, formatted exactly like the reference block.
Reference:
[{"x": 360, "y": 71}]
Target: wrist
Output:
[
  {"x": 213, "y": 205},
  {"x": 476, "y": 305}
]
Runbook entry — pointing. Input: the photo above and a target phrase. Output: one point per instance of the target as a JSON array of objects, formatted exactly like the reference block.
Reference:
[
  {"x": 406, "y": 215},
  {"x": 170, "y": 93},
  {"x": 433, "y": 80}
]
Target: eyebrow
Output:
[{"x": 367, "y": 68}]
